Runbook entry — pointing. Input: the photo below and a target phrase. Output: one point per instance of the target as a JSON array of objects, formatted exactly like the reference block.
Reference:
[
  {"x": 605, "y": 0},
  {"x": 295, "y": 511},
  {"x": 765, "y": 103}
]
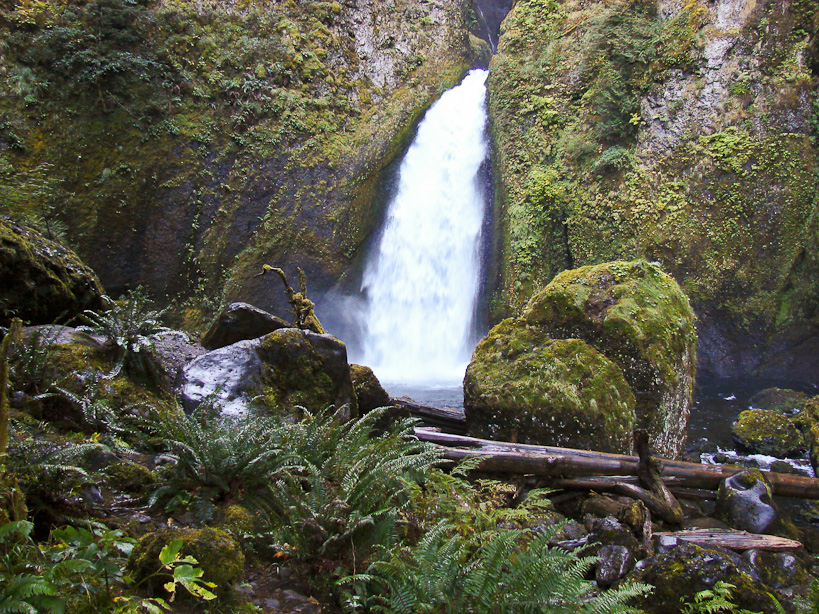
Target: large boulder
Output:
[
  {"x": 523, "y": 386},
  {"x": 41, "y": 279},
  {"x": 628, "y": 322},
  {"x": 369, "y": 392},
  {"x": 238, "y": 322},
  {"x": 286, "y": 369},
  {"x": 779, "y": 399}
]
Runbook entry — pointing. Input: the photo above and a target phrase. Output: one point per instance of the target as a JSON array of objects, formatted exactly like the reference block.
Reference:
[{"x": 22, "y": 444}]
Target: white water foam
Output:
[{"x": 422, "y": 283}]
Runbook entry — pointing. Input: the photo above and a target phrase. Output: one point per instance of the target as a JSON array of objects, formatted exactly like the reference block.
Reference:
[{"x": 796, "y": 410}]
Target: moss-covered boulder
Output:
[
  {"x": 770, "y": 432},
  {"x": 217, "y": 552},
  {"x": 41, "y": 279},
  {"x": 638, "y": 317},
  {"x": 682, "y": 571},
  {"x": 305, "y": 369},
  {"x": 286, "y": 369},
  {"x": 523, "y": 386},
  {"x": 628, "y": 322},
  {"x": 368, "y": 390},
  {"x": 810, "y": 415},
  {"x": 679, "y": 132}
]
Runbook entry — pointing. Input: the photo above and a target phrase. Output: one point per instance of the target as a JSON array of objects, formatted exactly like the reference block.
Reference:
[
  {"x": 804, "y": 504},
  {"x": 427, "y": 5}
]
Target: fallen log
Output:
[
  {"x": 503, "y": 457},
  {"x": 449, "y": 420},
  {"x": 733, "y": 540}
]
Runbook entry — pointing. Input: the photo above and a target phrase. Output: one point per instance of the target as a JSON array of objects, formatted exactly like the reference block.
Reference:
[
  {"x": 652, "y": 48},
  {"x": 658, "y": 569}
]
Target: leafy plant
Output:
[
  {"x": 83, "y": 570},
  {"x": 126, "y": 328},
  {"x": 501, "y": 571}
]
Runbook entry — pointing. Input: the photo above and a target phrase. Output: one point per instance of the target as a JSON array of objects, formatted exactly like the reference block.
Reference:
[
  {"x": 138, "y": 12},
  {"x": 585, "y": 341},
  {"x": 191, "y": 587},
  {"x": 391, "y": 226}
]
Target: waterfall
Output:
[{"x": 422, "y": 282}]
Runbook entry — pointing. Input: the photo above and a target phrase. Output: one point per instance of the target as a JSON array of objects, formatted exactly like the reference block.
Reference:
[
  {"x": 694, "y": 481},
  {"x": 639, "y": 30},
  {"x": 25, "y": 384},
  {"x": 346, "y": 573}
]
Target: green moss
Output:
[
  {"x": 298, "y": 375},
  {"x": 729, "y": 211},
  {"x": 779, "y": 399},
  {"x": 767, "y": 432},
  {"x": 523, "y": 386},
  {"x": 237, "y": 520},
  {"x": 130, "y": 477},
  {"x": 253, "y": 131}
]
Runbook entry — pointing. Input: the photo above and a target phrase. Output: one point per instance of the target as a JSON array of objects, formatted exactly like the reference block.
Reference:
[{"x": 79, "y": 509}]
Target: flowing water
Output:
[{"x": 422, "y": 282}]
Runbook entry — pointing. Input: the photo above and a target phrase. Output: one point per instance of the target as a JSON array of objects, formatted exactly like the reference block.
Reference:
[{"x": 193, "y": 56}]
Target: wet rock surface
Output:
[{"x": 745, "y": 501}]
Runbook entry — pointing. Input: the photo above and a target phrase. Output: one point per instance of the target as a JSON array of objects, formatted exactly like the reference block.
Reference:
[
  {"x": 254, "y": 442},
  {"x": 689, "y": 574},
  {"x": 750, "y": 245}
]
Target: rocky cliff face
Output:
[
  {"x": 186, "y": 143},
  {"x": 683, "y": 132}
]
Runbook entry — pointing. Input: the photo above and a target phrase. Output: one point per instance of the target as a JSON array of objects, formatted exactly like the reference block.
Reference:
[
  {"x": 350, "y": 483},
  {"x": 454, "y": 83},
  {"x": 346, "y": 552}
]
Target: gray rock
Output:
[
  {"x": 229, "y": 375},
  {"x": 291, "y": 367},
  {"x": 613, "y": 563},
  {"x": 745, "y": 502},
  {"x": 240, "y": 322}
]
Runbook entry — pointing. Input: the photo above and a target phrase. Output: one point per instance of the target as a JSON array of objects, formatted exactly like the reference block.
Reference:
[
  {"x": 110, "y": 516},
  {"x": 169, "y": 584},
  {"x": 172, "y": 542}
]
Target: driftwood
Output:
[
  {"x": 304, "y": 313},
  {"x": 566, "y": 463},
  {"x": 449, "y": 420},
  {"x": 733, "y": 540}
]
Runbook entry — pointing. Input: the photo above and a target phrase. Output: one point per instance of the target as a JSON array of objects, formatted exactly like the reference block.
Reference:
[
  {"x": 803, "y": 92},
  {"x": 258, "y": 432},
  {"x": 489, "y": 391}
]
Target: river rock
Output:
[
  {"x": 174, "y": 349},
  {"x": 239, "y": 322},
  {"x": 286, "y": 369},
  {"x": 769, "y": 432},
  {"x": 745, "y": 502},
  {"x": 613, "y": 563},
  {"x": 601, "y": 350},
  {"x": 523, "y": 386},
  {"x": 681, "y": 570},
  {"x": 41, "y": 279}
]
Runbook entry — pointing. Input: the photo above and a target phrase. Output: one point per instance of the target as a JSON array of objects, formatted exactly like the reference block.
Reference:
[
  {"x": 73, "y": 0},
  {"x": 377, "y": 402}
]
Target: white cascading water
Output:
[{"x": 422, "y": 283}]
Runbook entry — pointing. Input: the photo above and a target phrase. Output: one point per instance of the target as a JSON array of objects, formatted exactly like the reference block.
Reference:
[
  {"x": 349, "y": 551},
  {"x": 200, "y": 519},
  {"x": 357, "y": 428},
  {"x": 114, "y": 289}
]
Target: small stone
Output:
[
  {"x": 272, "y": 604},
  {"x": 613, "y": 563}
]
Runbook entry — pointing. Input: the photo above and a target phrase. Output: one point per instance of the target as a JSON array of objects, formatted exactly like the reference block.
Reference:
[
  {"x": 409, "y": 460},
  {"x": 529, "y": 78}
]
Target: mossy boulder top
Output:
[
  {"x": 523, "y": 386},
  {"x": 628, "y": 321},
  {"x": 767, "y": 431},
  {"x": 41, "y": 279}
]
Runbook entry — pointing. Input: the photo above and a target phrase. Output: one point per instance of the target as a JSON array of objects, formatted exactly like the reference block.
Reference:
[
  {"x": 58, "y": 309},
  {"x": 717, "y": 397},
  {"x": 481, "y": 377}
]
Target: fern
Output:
[
  {"x": 126, "y": 327},
  {"x": 497, "y": 572},
  {"x": 216, "y": 458},
  {"x": 342, "y": 486}
]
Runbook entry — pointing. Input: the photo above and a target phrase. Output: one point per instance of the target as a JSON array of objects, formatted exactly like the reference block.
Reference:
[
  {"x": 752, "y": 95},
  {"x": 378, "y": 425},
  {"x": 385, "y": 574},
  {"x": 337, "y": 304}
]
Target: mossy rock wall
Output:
[
  {"x": 621, "y": 324},
  {"x": 182, "y": 144},
  {"x": 681, "y": 132}
]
